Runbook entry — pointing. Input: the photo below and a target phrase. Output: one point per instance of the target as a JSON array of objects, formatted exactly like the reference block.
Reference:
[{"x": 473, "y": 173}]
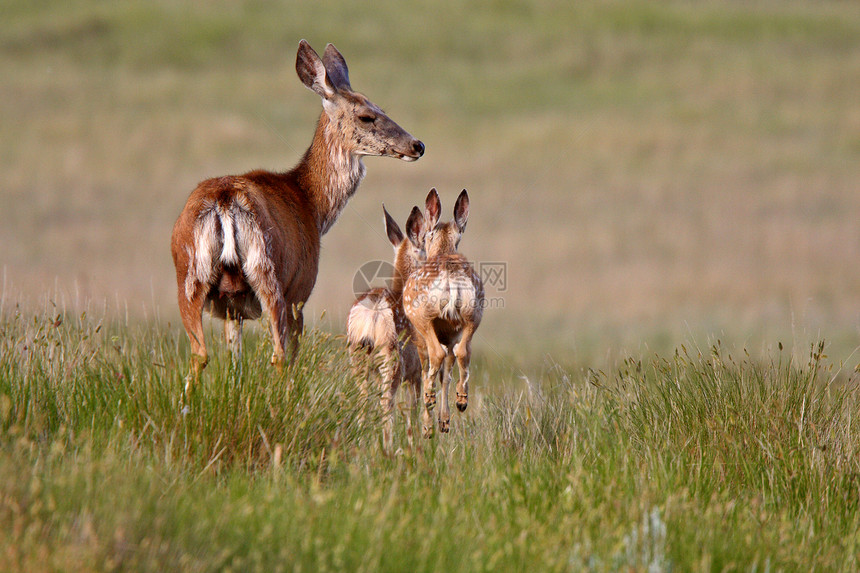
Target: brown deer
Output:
[
  {"x": 378, "y": 332},
  {"x": 248, "y": 243},
  {"x": 444, "y": 302}
]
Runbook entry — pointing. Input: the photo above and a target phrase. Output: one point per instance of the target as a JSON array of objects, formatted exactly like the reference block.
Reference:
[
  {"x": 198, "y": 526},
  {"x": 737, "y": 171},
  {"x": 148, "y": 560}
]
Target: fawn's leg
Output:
[
  {"x": 432, "y": 354},
  {"x": 445, "y": 376},
  {"x": 412, "y": 381},
  {"x": 389, "y": 380},
  {"x": 463, "y": 352}
]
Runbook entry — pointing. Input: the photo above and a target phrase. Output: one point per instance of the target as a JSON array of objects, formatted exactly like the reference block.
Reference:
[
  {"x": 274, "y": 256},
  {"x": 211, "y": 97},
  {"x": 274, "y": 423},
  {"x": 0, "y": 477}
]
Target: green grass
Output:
[
  {"x": 642, "y": 167},
  {"x": 699, "y": 461}
]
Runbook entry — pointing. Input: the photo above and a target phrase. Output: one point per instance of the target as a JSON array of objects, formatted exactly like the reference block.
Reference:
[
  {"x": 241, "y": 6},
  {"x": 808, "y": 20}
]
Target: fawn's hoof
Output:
[
  {"x": 430, "y": 400},
  {"x": 444, "y": 426},
  {"x": 462, "y": 402},
  {"x": 427, "y": 431}
]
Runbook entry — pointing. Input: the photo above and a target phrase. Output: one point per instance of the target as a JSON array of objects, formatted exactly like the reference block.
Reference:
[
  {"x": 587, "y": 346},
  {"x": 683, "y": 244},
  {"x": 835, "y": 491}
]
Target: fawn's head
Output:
[
  {"x": 361, "y": 125},
  {"x": 408, "y": 250},
  {"x": 444, "y": 238}
]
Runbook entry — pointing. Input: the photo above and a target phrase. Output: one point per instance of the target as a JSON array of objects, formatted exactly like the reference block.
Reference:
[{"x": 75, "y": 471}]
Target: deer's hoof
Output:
[
  {"x": 198, "y": 363},
  {"x": 430, "y": 400},
  {"x": 444, "y": 426},
  {"x": 462, "y": 402},
  {"x": 427, "y": 432}
]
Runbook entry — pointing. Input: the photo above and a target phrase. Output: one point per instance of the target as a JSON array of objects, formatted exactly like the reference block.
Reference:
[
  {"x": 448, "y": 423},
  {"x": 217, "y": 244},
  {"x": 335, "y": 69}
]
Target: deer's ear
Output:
[
  {"x": 335, "y": 65},
  {"x": 461, "y": 211},
  {"x": 432, "y": 208},
  {"x": 312, "y": 72},
  {"x": 415, "y": 227},
  {"x": 395, "y": 235}
]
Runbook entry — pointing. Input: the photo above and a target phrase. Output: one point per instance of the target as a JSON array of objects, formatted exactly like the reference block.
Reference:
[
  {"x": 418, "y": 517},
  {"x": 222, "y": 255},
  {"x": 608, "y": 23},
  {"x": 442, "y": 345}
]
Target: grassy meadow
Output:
[
  {"x": 699, "y": 461},
  {"x": 666, "y": 379}
]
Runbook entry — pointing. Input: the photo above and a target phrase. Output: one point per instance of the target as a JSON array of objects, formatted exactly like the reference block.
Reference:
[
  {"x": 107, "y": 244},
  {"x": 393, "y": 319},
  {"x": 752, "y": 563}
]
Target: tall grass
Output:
[
  {"x": 696, "y": 461},
  {"x": 708, "y": 149}
]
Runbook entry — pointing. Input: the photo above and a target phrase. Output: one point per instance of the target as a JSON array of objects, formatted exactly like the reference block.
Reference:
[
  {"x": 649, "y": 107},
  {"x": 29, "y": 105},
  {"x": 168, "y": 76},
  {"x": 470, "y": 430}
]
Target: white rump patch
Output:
[
  {"x": 258, "y": 267},
  {"x": 207, "y": 243},
  {"x": 229, "y": 256},
  {"x": 452, "y": 294},
  {"x": 240, "y": 241},
  {"x": 371, "y": 322}
]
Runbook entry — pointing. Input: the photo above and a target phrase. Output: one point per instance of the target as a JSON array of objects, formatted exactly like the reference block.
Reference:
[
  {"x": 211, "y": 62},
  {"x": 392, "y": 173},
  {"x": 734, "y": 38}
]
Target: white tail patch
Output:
[
  {"x": 229, "y": 256},
  {"x": 258, "y": 267},
  {"x": 206, "y": 245},
  {"x": 240, "y": 242},
  {"x": 371, "y": 323},
  {"x": 452, "y": 295}
]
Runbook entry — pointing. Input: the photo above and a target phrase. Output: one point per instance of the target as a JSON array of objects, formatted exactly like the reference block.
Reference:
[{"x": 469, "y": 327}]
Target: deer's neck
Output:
[
  {"x": 404, "y": 265},
  {"x": 329, "y": 173}
]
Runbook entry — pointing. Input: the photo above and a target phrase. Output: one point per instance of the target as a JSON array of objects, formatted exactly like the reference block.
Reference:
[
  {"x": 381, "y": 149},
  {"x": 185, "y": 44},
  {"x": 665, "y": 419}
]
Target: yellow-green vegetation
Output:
[
  {"x": 698, "y": 461},
  {"x": 646, "y": 169}
]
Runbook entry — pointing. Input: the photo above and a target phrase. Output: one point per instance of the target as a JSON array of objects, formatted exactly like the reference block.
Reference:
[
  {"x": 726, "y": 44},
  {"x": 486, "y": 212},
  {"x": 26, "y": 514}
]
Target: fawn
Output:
[
  {"x": 251, "y": 242},
  {"x": 378, "y": 332},
  {"x": 444, "y": 302}
]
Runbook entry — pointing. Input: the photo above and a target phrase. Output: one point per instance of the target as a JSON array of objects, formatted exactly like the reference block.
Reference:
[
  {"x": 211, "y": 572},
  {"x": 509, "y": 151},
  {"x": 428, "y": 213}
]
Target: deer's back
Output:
[{"x": 446, "y": 291}]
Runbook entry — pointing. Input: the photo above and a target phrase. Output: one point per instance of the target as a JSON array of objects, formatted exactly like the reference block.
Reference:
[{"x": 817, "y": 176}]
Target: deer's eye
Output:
[{"x": 367, "y": 118}]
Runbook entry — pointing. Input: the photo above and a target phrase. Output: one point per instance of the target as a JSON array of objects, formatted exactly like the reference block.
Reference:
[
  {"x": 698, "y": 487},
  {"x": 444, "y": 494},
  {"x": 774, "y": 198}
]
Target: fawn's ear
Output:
[
  {"x": 335, "y": 65},
  {"x": 461, "y": 211},
  {"x": 395, "y": 235},
  {"x": 415, "y": 227},
  {"x": 312, "y": 71},
  {"x": 432, "y": 208}
]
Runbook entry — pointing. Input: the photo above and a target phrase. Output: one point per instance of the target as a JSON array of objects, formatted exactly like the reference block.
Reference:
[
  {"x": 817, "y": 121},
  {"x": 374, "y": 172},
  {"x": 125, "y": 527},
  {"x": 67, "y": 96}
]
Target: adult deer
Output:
[
  {"x": 378, "y": 332},
  {"x": 248, "y": 243},
  {"x": 444, "y": 302}
]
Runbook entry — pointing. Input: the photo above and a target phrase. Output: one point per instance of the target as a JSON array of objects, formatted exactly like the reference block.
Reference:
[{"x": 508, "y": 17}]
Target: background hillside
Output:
[{"x": 647, "y": 172}]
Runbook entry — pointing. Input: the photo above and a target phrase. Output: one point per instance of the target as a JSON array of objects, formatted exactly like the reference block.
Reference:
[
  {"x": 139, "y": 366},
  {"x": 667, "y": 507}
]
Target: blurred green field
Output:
[
  {"x": 648, "y": 172},
  {"x": 701, "y": 460}
]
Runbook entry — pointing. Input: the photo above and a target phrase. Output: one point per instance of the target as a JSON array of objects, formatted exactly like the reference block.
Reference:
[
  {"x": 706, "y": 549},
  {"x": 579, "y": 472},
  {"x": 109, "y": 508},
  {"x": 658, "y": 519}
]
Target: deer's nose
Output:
[{"x": 418, "y": 148}]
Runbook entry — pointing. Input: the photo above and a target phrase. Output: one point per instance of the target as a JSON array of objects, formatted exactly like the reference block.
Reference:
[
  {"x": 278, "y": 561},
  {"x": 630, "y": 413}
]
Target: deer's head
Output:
[
  {"x": 444, "y": 238},
  {"x": 362, "y": 126}
]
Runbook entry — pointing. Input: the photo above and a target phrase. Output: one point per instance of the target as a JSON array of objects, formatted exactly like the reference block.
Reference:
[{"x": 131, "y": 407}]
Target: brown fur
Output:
[
  {"x": 248, "y": 243},
  {"x": 444, "y": 302},
  {"x": 378, "y": 332}
]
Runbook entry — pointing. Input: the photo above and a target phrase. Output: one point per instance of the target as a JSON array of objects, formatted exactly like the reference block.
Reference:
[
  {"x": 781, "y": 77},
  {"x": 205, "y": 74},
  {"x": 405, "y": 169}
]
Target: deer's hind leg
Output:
[
  {"x": 191, "y": 310},
  {"x": 432, "y": 355},
  {"x": 445, "y": 376},
  {"x": 463, "y": 352},
  {"x": 389, "y": 380},
  {"x": 412, "y": 384}
]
